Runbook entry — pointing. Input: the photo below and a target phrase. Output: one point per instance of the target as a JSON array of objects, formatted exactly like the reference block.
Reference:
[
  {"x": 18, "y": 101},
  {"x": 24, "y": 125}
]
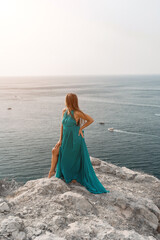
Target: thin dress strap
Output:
[{"x": 67, "y": 111}]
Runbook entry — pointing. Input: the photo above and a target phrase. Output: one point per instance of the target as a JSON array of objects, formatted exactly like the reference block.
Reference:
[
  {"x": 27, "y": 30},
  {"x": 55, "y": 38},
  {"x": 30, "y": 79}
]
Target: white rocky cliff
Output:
[{"x": 48, "y": 209}]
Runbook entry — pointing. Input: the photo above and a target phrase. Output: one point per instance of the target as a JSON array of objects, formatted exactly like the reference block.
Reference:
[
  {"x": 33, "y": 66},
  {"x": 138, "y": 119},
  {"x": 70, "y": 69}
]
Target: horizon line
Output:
[{"x": 83, "y": 75}]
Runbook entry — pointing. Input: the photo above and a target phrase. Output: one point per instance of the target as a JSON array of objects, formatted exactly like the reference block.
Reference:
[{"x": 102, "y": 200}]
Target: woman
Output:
[{"x": 70, "y": 154}]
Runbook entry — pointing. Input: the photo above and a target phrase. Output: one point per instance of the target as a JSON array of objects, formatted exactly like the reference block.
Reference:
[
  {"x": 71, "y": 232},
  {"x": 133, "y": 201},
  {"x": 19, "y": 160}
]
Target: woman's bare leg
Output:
[
  {"x": 54, "y": 160},
  {"x": 55, "y": 154}
]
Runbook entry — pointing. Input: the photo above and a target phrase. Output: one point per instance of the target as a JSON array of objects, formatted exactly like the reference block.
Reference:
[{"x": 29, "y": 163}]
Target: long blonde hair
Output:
[{"x": 72, "y": 103}]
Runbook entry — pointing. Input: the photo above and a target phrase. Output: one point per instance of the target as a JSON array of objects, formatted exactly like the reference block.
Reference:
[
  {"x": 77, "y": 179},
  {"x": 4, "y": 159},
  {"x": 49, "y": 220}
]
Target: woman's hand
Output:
[
  {"x": 80, "y": 132},
  {"x": 58, "y": 144}
]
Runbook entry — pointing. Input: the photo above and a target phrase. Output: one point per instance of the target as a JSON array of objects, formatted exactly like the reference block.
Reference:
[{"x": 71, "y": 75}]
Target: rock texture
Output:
[{"x": 48, "y": 209}]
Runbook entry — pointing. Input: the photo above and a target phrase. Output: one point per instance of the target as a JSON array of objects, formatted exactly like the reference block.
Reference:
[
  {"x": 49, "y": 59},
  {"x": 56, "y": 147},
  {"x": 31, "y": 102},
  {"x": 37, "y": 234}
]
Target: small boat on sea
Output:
[{"x": 111, "y": 129}]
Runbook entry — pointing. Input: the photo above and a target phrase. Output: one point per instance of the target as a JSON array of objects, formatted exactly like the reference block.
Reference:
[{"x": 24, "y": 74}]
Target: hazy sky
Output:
[{"x": 72, "y": 37}]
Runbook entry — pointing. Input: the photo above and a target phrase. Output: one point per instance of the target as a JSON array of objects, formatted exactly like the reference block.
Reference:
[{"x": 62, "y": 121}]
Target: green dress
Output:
[{"x": 74, "y": 160}]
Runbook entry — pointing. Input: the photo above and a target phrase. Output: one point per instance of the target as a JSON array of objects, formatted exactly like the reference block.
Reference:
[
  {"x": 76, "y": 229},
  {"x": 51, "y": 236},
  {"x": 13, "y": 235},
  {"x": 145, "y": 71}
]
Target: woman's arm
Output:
[
  {"x": 86, "y": 117},
  {"x": 61, "y": 131}
]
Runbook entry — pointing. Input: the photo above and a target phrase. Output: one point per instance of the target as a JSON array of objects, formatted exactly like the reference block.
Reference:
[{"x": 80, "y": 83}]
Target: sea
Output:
[{"x": 31, "y": 115}]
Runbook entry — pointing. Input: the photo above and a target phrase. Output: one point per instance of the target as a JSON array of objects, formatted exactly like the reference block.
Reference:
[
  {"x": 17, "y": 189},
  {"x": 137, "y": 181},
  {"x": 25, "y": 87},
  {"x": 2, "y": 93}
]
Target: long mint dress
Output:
[{"x": 74, "y": 160}]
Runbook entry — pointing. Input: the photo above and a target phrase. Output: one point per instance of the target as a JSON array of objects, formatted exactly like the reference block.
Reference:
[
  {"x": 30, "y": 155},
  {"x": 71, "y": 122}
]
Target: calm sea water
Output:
[{"x": 28, "y": 132}]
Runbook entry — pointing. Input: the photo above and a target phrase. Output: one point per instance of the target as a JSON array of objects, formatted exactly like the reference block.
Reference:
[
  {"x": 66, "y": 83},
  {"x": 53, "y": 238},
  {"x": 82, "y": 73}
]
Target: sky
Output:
[{"x": 79, "y": 37}]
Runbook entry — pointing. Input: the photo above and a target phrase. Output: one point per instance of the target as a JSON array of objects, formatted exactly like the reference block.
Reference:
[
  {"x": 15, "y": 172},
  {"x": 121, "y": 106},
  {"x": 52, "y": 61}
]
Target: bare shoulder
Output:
[
  {"x": 63, "y": 111},
  {"x": 78, "y": 114}
]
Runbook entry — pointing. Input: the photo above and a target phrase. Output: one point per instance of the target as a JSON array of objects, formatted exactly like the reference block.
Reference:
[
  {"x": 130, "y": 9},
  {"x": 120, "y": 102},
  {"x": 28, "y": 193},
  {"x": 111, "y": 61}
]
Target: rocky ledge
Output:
[{"x": 48, "y": 209}]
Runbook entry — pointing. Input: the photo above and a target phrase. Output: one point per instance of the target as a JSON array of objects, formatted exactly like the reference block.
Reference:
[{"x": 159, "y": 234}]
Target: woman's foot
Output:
[
  {"x": 74, "y": 181},
  {"x": 51, "y": 174}
]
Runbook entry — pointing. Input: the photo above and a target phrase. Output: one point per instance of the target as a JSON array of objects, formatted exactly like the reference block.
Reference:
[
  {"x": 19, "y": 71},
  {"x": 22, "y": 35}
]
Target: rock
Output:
[
  {"x": 128, "y": 173},
  {"x": 75, "y": 201},
  {"x": 4, "y": 207},
  {"x": 108, "y": 168},
  {"x": 48, "y": 209},
  {"x": 95, "y": 161},
  {"x": 152, "y": 207},
  {"x": 13, "y": 226},
  {"x": 101, "y": 230},
  {"x": 143, "y": 214},
  {"x": 32, "y": 189},
  {"x": 7, "y": 186},
  {"x": 49, "y": 236},
  {"x": 31, "y": 231},
  {"x": 41, "y": 225},
  {"x": 19, "y": 235},
  {"x": 146, "y": 178},
  {"x": 138, "y": 209},
  {"x": 123, "y": 235}
]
